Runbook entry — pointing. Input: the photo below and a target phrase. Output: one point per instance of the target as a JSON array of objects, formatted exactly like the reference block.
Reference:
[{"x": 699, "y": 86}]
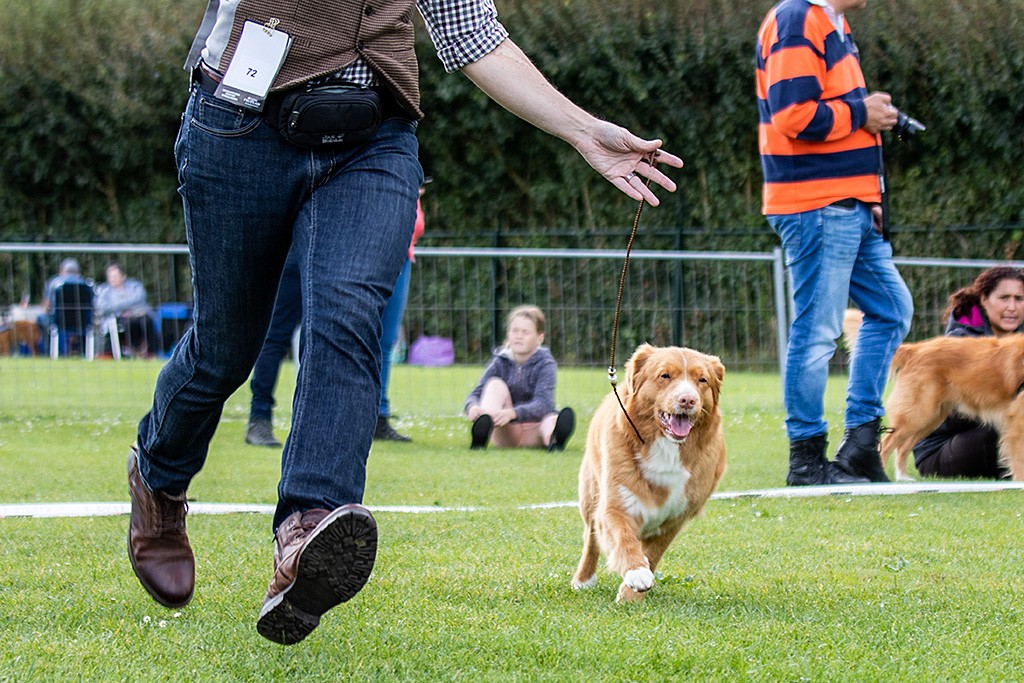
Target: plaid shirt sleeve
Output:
[{"x": 463, "y": 31}]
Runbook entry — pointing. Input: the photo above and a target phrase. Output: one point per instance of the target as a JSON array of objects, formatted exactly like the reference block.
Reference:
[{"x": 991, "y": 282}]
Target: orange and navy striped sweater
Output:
[{"x": 810, "y": 96}]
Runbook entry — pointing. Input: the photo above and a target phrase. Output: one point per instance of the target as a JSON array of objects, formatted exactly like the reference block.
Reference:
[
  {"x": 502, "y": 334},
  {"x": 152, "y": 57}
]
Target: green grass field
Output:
[{"x": 924, "y": 587}]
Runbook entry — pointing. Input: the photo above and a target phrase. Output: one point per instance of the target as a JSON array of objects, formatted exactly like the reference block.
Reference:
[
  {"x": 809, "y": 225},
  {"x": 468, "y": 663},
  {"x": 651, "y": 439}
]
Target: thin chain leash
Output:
[{"x": 618, "y": 306}]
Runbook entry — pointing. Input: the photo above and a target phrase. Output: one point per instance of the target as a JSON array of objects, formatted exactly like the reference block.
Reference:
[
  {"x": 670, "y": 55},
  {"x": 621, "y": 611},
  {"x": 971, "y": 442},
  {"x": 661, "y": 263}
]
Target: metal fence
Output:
[{"x": 734, "y": 305}]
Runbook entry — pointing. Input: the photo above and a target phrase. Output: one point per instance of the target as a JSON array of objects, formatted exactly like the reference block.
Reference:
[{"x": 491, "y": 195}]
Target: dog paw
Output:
[
  {"x": 639, "y": 580},
  {"x": 900, "y": 476},
  {"x": 583, "y": 584},
  {"x": 627, "y": 594}
]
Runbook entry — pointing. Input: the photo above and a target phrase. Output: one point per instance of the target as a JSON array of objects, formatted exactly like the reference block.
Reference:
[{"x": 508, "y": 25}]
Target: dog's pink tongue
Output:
[{"x": 680, "y": 426}]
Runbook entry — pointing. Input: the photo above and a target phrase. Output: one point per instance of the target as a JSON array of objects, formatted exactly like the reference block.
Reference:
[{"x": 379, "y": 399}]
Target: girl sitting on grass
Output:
[{"x": 513, "y": 405}]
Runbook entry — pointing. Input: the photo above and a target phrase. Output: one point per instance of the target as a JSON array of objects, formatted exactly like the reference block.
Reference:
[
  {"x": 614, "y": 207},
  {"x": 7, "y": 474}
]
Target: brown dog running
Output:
[
  {"x": 979, "y": 377},
  {"x": 635, "y": 497}
]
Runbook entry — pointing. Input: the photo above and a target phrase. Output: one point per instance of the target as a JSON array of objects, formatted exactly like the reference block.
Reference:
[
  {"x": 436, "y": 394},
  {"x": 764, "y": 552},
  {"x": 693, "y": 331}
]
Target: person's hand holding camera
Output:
[{"x": 881, "y": 114}]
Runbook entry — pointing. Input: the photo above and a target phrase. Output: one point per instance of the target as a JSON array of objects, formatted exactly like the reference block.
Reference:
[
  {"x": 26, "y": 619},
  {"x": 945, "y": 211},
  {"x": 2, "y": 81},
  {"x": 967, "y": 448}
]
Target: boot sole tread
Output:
[{"x": 334, "y": 566}]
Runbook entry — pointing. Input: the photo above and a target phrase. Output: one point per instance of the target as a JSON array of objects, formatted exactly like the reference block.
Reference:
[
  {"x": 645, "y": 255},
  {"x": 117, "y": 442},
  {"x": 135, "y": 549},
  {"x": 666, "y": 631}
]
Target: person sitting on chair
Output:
[
  {"x": 69, "y": 271},
  {"x": 124, "y": 299}
]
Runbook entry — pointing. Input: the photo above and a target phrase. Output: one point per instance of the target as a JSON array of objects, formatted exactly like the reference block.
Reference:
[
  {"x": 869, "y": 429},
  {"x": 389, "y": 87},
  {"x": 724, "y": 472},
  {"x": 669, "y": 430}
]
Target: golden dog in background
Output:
[
  {"x": 635, "y": 497},
  {"x": 21, "y": 332},
  {"x": 979, "y": 377}
]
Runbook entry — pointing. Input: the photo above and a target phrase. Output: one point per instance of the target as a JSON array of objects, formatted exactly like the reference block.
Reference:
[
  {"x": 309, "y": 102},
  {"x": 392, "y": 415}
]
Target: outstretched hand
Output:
[
  {"x": 625, "y": 160},
  {"x": 510, "y": 78}
]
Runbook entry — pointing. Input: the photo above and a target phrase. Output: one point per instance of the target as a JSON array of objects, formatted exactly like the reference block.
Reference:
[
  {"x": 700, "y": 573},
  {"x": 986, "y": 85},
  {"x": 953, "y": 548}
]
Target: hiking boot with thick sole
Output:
[{"x": 321, "y": 559}]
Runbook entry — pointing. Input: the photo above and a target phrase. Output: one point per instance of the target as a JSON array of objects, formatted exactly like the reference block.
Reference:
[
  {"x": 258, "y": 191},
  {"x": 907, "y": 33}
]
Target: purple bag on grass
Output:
[{"x": 432, "y": 352}]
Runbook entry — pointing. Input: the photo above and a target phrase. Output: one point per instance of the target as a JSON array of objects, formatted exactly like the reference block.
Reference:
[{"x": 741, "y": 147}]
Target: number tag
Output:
[{"x": 260, "y": 53}]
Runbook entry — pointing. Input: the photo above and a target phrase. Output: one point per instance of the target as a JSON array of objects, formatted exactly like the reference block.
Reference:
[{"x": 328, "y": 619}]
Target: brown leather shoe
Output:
[
  {"x": 321, "y": 559},
  {"x": 157, "y": 543}
]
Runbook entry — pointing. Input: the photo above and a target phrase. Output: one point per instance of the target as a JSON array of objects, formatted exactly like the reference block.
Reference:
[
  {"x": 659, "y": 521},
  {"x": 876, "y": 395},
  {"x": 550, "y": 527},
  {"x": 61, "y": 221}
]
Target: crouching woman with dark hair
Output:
[{"x": 991, "y": 306}]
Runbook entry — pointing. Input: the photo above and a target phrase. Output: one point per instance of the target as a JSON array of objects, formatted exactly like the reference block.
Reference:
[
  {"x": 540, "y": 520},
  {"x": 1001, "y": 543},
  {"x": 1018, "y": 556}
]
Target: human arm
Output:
[
  {"x": 128, "y": 299},
  {"x": 469, "y": 37},
  {"x": 542, "y": 379},
  {"x": 508, "y": 77},
  {"x": 134, "y": 302},
  {"x": 794, "y": 77},
  {"x": 100, "y": 302}
]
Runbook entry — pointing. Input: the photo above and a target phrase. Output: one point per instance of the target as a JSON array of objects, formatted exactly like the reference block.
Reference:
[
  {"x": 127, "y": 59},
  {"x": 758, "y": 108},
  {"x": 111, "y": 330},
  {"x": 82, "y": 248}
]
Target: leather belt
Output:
[
  {"x": 209, "y": 80},
  {"x": 847, "y": 203}
]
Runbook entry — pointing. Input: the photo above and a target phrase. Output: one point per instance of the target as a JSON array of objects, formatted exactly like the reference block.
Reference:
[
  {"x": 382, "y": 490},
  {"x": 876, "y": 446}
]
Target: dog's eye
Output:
[
  {"x": 703, "y": 380},
  {"x": 665, "y": 375}
]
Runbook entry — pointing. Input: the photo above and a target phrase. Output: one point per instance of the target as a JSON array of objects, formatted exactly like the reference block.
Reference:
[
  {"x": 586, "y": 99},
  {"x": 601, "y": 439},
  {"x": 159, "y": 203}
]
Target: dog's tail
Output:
[{"x": 900, "y": 358}]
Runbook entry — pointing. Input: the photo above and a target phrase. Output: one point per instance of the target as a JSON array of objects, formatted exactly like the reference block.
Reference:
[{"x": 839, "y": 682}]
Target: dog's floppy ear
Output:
[
  {"x": 634, "y": 367},
  {"x": 717, "y": 369}
]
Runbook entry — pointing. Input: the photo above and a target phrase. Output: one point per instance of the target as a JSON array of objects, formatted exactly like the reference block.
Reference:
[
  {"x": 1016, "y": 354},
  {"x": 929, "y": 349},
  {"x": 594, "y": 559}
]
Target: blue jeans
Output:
[
  {"x": 834, "y": 255},
  {"x": 287, "y": 314},
  {"x": 392, "y": 324},
  {"x": 248, "y": 197}
]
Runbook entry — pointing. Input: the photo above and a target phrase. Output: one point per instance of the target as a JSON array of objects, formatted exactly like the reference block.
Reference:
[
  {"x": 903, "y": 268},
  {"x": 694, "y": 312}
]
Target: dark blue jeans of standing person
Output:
[
  {"x": 834, "y": 255},
  {"x": 287, "y": 314},
  {"x": 248, "y": 195},
  {"x": 392, "y": 325}
]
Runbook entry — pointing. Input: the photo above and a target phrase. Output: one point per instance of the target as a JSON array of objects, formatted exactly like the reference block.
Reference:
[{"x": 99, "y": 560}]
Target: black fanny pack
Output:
[{"x": 329, "y": 115}]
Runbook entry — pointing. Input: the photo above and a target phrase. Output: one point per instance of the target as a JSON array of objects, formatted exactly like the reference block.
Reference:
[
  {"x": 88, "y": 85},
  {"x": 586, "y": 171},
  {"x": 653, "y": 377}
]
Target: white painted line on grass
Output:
[
  {"x": 115, "y": 509},
  {"x": 899, "y": 489}
]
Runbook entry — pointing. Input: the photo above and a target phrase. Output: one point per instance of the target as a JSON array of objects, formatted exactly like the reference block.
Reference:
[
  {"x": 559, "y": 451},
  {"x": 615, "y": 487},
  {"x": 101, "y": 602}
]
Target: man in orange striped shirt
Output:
[{"x": 821, "y": 155}]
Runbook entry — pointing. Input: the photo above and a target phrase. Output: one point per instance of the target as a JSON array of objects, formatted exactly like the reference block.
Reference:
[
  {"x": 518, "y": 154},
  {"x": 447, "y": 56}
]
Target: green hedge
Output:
[{"x": 91, "y": 93}]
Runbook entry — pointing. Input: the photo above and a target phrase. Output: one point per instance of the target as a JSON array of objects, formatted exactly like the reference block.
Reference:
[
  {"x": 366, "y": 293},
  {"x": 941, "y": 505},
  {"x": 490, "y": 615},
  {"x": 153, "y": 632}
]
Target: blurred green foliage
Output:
[{"x": 91, "y": 93}]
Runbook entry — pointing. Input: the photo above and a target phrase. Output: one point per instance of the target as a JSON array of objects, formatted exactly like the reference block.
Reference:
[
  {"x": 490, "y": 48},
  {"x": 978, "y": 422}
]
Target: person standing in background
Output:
[
  {"x": 287, "y": 314},
  {"x": 392, "y": 325},
  {"x": 820, "y": 150},
  {"x": 286, "y": 317}
]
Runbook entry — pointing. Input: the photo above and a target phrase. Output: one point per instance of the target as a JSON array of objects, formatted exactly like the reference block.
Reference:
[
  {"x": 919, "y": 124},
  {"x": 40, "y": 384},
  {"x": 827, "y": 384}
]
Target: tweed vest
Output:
[{"x": 328, "y": 35}]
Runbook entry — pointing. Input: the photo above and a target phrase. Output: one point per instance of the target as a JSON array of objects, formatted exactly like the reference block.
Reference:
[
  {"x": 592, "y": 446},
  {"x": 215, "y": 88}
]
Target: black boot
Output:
[
  {"x": 837, "y": 475},
  {"x": 481, "y": 432},
  {"x": 564, "y": 427},
  {"x": 807, "y": 463},
  {"x": 858, "y": 453},
  {"x": 385, "y": 432}
]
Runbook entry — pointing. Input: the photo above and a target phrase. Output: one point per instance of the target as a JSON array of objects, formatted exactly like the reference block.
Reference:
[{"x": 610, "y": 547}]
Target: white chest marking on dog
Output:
[{"x": 662, "y": 469}]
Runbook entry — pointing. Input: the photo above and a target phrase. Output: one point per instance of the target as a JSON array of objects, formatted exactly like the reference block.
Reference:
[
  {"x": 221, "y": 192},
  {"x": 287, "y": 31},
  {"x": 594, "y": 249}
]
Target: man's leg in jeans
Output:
[
  {"x": 878, "y": 290},
  {"x": 820, "y": 260},
  {"x": 238, "y": 185},
  {"x": 352, "y": 237},
  {"x": 287, "y": 314}
]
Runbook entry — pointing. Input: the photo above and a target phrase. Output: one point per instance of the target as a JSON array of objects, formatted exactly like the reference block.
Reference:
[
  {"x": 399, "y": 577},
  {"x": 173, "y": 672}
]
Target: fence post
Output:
[{"x": 781, "y": 308}]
